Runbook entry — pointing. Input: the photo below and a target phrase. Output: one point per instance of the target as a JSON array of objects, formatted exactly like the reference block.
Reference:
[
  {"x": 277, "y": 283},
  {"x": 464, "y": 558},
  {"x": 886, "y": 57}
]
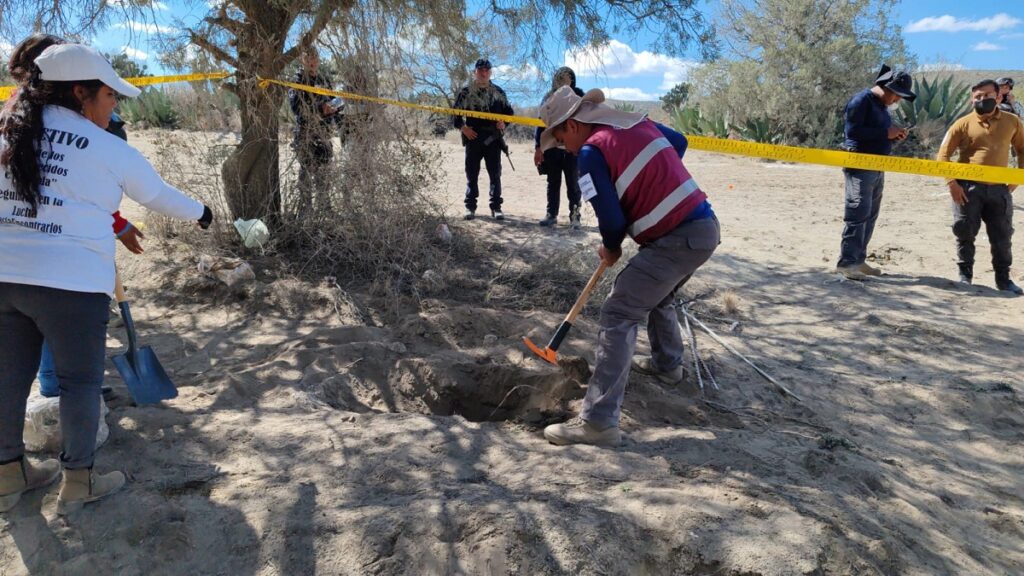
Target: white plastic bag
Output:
[
  {"x": 42, "y": 424},
  {"x": 254, "y": 233}
]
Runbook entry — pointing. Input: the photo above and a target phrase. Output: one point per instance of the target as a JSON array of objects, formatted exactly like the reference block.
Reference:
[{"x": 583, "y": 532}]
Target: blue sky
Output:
[{"x": 939, "y": 32}]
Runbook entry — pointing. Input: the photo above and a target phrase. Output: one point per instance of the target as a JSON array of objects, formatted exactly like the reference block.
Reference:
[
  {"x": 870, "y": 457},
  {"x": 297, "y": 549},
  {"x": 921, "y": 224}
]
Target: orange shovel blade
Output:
[{"x": 546, "y": 354}]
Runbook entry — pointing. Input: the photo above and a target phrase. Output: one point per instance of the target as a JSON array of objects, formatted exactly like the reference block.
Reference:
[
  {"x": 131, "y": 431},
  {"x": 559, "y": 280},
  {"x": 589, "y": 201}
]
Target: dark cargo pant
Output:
[
  {"x": 476, "y": 151},
  {"x": 645, "y": 289},
  {"x": 561, "y": 163},
  {"x": 993, "y": 205}
]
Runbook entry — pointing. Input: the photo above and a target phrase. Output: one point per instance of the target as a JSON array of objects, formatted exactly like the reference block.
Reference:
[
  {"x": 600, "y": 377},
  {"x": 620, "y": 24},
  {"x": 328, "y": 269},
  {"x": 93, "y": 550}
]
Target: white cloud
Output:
[
  {"x": 134, "y": 54},
  {"x": 947, "y": 23},
  {"x": 986, "y": 47},
  {"x": 618, "y": 60},
  {"x": 526, "y": 72},
  {"x": 1012, "y": 36},
  {"x": 627, "y": 94},
  {"x": 128, "y": 4},
  {"x": 146, "y": 28},
  {"x": 941, "y": 67},
  {"x": 673, "y": 77},
  {"x": 5, "y": 49}
]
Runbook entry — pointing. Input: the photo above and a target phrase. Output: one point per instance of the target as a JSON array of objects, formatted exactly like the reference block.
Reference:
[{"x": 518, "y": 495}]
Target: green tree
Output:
[
  {"x": 676, "y": 97},
  {"x": 797, "y": 62},
  {"x": 126, "y": 67}
]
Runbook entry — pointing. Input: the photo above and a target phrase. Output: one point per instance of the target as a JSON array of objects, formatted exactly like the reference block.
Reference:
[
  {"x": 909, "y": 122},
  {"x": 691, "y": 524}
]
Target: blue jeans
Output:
[
  {"x": 75, "y": 326},
  {"x": 48, "y": 385},
  {"x": 863, "y": 201}
]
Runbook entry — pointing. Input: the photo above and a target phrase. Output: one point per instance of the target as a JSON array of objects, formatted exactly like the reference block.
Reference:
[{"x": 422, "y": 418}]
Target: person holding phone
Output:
[{"x": 869, "y": 130}]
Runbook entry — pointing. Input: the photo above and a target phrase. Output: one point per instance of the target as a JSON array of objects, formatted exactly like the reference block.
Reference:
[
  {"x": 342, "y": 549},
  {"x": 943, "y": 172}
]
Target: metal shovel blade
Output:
[{"x": 140, "y": 369}]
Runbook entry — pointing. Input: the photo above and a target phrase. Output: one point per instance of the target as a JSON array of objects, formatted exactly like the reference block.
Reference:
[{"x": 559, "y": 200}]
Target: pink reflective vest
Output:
[{"x": 655, "y": 190}]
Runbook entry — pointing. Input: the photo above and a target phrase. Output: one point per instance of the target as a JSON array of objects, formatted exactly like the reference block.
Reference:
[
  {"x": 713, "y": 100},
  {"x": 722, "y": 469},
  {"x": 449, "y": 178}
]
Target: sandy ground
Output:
[{"x": 311, "y": 438}]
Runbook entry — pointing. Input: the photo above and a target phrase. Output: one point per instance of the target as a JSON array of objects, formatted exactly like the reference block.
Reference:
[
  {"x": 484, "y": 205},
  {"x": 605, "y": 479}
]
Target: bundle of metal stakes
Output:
[{"x": 699, "y": 364}]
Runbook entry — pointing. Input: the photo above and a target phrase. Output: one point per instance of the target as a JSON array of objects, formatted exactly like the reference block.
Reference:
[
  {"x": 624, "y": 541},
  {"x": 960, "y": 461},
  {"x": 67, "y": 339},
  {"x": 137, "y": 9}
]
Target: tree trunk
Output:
[{"x": 251, "y": 173}]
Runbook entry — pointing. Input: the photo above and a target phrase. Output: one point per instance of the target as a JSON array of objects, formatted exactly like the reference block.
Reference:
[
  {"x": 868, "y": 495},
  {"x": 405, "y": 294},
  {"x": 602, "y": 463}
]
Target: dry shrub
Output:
[
  {"x": 729, "y": 302},
  {"x": 529, "y": 280},
  {"x": 370, "y": 222}
]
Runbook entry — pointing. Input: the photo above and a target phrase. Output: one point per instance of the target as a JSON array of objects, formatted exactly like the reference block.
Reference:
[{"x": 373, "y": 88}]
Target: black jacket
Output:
[{"x": 490, "y": 98}]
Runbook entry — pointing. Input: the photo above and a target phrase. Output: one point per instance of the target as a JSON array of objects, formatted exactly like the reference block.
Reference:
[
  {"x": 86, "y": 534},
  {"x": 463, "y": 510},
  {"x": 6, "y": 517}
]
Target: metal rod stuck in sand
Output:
[
  {"x": 716, "y": 338},
  {"x": 693, "y": 352}
]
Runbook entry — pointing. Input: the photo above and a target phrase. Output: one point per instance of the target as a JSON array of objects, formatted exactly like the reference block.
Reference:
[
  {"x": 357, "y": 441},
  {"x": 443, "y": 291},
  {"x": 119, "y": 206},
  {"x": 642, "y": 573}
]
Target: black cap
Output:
[
  {"x": 483, "y": 63},
  {"x": 1005, "y": 81},
  {"x": 898, "y": 82}
]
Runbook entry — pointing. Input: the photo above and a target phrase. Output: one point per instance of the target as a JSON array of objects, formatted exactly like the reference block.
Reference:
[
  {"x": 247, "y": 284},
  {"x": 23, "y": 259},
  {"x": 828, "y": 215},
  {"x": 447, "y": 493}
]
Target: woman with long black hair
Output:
[{"x": 62, "y": 178}]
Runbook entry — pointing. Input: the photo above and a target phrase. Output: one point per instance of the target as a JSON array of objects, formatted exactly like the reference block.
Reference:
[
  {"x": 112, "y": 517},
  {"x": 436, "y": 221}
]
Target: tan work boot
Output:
[
  {"x": 645, "y": 365},
  {"x": 83, "y": 486},
  {"x": 579, "y": 431},
  {"x": 853, "y": 272},
  {"x": 869, "y": 270},
  {"x": 19, "y": 477}
]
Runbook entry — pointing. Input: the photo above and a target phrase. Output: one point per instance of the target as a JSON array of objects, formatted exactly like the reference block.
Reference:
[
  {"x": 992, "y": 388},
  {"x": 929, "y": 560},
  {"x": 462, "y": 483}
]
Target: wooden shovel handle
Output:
[
  {"x": 119, "y": 294},
  {"x": 582, "y": 300}
]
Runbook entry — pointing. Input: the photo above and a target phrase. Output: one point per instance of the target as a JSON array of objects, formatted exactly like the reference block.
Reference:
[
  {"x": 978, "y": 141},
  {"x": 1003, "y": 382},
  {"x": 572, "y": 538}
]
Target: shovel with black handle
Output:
[{"x": 139, "y": 368}]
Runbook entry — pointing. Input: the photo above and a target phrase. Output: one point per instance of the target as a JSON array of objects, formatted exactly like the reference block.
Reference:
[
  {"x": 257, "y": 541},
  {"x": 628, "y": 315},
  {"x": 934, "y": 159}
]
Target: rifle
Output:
[{"x": 500, "y": 138}]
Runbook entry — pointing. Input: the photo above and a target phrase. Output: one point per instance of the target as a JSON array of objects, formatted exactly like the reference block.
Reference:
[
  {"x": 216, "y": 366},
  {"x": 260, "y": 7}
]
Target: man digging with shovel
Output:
[{"x": 630, "y": 172}]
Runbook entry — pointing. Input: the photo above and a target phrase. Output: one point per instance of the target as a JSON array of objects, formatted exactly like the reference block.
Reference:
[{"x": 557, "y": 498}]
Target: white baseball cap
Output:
[{"x": 67, "y": 62}]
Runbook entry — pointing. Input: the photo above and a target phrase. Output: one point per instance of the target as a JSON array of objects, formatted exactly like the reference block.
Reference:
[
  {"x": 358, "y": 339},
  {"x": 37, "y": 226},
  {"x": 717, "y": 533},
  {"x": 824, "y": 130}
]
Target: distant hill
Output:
[{"x": 970, "y": 77}]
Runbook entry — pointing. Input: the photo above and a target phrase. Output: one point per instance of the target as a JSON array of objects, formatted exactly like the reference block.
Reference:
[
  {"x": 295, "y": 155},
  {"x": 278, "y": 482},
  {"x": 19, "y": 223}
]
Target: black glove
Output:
[{"x": 206, "y": 219}]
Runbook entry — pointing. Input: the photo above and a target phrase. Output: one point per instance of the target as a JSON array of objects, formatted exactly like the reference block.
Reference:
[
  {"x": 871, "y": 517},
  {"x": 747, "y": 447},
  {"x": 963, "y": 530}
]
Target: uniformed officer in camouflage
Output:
[{"x": 482, "y": 138}]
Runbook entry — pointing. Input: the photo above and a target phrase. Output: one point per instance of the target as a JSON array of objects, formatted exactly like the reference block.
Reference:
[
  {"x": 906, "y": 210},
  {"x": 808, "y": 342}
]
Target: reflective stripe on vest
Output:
[
  {"x": 638, "y": 164},
  {"x": 663, "y": 208}
]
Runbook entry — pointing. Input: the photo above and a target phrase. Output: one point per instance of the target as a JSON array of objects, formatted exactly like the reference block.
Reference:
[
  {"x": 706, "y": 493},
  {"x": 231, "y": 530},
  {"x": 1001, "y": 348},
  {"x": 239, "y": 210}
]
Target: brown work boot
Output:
[
  {"x": 579, "y": 431},
  {"x": 20, "y": 476},
  {"x": 645, "y": 365},
  {"x": 853, "y": 272},
  {"x": 83, "y": 486},
  {"x": 869, "y": 270}
]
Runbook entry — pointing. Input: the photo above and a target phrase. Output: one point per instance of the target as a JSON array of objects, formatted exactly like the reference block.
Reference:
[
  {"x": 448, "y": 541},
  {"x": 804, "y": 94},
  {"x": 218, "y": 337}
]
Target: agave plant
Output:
[
  {"x": 690, "y": 120},
  {"x": 153, "y": 108},
  {"x": 759, "y": 130},
  {"x": 939, "y": 100},
  {"x": 625, "y": 107}
]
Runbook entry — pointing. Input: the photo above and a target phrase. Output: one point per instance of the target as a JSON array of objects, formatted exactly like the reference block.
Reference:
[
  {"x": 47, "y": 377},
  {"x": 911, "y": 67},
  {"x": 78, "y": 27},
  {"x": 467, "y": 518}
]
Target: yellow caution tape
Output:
[
  {"x": 6, "y": 91},
  {"x": 425, "y": 107},
  {"x": 948, "y": 170},
  {"x": 151, "y": 80}
]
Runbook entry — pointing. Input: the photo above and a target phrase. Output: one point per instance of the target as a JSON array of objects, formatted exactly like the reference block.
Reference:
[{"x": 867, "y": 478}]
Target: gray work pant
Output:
[
  {"x": 74, "y": 325},
  {"x": 862, "y": 204},
  {"x": 645, "y": 289}
]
